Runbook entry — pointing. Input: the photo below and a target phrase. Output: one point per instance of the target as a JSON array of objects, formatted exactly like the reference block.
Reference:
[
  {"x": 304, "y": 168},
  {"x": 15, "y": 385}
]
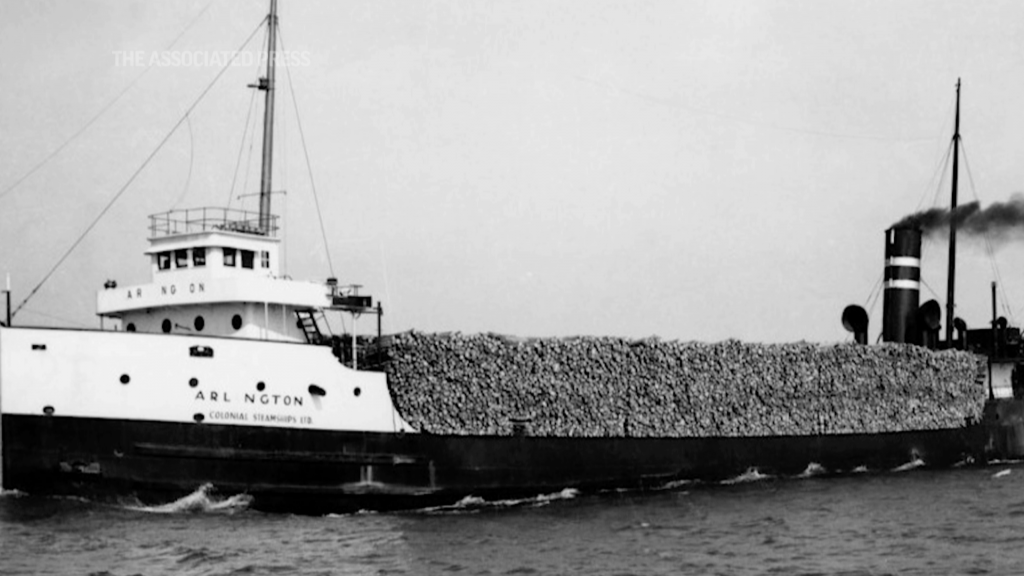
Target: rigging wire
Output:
[
  {"x": 940, "y": 168},
  {"x": 145, "y": 162},
  {"x": 874, "y": 288},
  {"x": 283, "y": 226},
  {"x": 874, "y": 294},
  {"x": 989, "y": 249},
  {"x": 305, "y": 151},
  {"x": 248, "y": 163},
  {"x": 241, "y": 148},
  {"x": 387, "y": 289},
  {"x": 940, "y": 171},
  {"x": 281, "y": 127},
  {"x": 191, "y": 154},
  {"x": 251, "y": 134},
  {"x": 930, "y": 289},
  {"x": 102, "y": 111},
  {"x": 57, "y": 318},
  {"x": 740, "y": 119}
]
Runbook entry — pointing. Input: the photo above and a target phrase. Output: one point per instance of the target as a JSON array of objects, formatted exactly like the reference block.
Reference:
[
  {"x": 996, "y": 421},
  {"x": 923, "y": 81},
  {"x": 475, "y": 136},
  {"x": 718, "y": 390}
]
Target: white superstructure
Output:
[
  {"x": 218, "y": 336},
  {"x": 214, "y": 272}
]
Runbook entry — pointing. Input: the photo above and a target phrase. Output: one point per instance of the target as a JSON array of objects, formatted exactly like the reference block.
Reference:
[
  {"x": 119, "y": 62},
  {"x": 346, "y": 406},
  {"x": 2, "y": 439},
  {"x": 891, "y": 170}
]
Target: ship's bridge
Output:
[
  {"x": 216, "y": 271},
  {"x": 215, "y": 241}
]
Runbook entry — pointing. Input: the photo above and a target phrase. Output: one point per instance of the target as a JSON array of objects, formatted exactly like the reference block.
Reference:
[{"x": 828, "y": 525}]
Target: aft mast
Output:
[
  {"x": 267, "y": 84},
  {"x": 951, "y": 276}
]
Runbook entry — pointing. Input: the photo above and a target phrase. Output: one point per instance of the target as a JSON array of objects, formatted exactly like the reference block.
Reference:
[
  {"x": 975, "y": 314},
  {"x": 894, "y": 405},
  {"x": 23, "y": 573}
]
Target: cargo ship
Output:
[{"x": 220, "y": 373}]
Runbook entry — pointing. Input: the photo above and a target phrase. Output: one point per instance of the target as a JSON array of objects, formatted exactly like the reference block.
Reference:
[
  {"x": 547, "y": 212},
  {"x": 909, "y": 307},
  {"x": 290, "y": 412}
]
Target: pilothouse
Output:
[{"x": 216, "y": 271}]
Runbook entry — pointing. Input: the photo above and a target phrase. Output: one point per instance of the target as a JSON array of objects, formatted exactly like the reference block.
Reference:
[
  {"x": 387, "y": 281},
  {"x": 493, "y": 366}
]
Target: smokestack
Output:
[{"x": 902, "y": 285}]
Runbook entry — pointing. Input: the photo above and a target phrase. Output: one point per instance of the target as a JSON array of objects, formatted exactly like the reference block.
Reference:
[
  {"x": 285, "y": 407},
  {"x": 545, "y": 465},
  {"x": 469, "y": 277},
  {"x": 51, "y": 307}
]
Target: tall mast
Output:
[
  {"x": 267, "y": 85},
  {"x": 951, "y": 278}
]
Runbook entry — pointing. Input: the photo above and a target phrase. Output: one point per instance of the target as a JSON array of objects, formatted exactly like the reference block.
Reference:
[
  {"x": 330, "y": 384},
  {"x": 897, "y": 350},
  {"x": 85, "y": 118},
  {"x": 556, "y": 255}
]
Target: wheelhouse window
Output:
[
  {"x": 247, "y": 258},
  {"x": 229, "y": 257},
  {"x": 163, "y": 260},
  {"x": 199, "y": 257},
  {"x": 265, "y": 259},
  {"x": 181, "y": 258}
]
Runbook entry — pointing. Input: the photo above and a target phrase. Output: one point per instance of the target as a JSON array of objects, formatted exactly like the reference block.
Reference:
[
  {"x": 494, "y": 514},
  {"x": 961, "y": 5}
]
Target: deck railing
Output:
[{"x": 191, "y": 220}]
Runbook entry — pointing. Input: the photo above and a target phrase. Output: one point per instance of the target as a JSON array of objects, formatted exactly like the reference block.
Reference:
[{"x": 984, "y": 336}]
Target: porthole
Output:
[
  {"x": 198, "y": 417},
  {"x": 48, "y": 410},
  {"x": 193, "y": 382},
  {"x": 130, "y": 327},
  {"x": 165, "y": 325},
  {"x": 236, "y": 322},
  {"x": 199, "y": 323},
  {"x": 357, "y": 391},
  {"x": 125, "y": 379},
  {"x": 260, "y": 386},
  {"x": 316, "y": 390}
]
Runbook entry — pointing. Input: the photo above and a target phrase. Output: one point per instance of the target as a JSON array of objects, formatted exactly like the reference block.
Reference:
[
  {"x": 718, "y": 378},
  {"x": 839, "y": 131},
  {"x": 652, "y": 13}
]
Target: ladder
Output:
[{"x": 309, "y": 325}]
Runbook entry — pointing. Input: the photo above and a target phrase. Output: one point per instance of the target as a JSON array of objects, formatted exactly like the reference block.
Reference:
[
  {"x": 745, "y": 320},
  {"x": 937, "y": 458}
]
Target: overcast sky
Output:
[{"x": 690, "y": 170}]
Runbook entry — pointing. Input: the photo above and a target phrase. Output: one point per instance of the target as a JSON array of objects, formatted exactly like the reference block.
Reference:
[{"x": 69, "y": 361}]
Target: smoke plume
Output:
[{"x": 999, "y": 221}]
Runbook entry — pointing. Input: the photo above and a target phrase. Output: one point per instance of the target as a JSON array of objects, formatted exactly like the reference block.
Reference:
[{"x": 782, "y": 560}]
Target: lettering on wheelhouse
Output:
[
  {"x": 247, "y": 398},
  {"x": 170, "y": 290}
]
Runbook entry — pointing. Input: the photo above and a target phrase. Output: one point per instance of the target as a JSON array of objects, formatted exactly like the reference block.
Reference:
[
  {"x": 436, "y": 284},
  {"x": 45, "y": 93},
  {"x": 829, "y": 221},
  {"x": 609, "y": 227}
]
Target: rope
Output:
[
  {"x": 309, "y": 166},
  {"x": 103, "y": 110},
  {"x": 137, "y": 172}
]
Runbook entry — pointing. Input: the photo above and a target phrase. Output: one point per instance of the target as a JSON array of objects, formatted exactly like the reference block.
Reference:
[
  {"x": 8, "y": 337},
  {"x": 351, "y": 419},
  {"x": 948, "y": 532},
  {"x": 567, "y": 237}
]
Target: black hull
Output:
[{"x": 320, "y": 471}]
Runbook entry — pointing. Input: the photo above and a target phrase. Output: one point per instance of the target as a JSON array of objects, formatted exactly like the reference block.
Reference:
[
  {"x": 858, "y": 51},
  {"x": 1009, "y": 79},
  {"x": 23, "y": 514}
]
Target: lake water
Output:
[{"x": 962, "y": 521}]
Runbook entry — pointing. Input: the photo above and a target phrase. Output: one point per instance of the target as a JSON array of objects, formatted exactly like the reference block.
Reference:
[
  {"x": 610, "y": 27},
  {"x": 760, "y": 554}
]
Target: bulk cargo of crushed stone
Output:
[{"x": 614, "y": 387}]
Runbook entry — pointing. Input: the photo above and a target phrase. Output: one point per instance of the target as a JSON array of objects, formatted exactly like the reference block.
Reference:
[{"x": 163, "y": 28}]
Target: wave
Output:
[
  {"x": 476, "y": 503},
  {"x": 15, "y": 493},
  {"x": 202, "y": 500},
  {"x": 751, "y": 475},
  {"x": 813, "y": 469},
  {"x": 915, "y": 463},
  {"x": 676, "y": 484},
  {"x": 1002, "y": 473}
]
